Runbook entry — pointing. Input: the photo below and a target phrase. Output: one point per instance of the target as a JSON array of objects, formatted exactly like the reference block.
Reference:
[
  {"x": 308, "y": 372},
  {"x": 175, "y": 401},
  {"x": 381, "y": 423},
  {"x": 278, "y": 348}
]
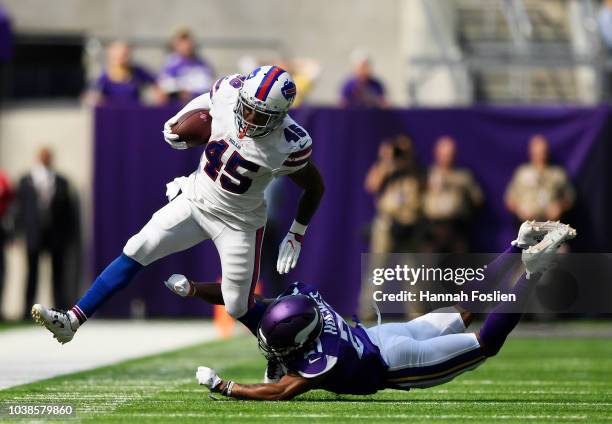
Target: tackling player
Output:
[
  {"x": 319, "y": 350},
  {"x": 253, "y": 140}
]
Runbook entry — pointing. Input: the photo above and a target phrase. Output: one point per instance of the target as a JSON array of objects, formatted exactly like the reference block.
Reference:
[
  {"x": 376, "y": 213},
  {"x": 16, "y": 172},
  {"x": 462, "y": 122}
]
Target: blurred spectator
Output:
[
  {"x": 604, "y": 20},
  {"x": 6, "y": 37},
  {"x": 122, "y": 82},
  {"x": 539, "y": 190},
  {"x": 6, "y": 196},
  {"x": 450, "y": 198},
  {"x": 362, "y": 89},
  {"x": 305, "y": 73},
  {"x": 395, "y": 181},
  {"x": 247, "y": 63},
  {"x": 47, "y": 217},
  {"x": 185, "y": 75}
]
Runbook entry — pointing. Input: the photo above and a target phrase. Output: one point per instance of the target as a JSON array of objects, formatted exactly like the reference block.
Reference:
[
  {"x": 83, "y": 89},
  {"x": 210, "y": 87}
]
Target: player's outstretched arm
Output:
[
  {"x": 309, "y": 179},
  {"x": 208, "y": 292},
  {"x": 288, "y": 387}
]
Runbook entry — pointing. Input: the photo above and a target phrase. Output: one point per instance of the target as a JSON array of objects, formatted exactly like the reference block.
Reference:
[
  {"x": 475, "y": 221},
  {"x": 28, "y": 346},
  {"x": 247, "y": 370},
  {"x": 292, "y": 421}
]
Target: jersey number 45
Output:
[{"x": 231, "y": 179}]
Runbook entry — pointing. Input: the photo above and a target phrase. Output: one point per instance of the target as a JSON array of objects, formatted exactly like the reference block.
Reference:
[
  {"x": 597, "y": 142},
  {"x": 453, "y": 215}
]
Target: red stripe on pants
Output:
[{"x": 258, "y": 242}]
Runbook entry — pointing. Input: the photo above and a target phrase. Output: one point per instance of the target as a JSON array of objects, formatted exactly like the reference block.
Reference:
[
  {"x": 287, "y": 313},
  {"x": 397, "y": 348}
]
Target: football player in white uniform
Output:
[{"x": 253, "y": 140}]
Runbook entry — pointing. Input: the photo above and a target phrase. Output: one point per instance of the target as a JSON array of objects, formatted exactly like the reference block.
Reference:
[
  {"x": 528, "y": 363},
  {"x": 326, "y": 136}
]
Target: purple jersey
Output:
[
  {"x": 351, "y": 362},
  {"x": 126, "y": 91},
  {"x": 186, "y": 74},
  {"x": 358, "y": 93}
]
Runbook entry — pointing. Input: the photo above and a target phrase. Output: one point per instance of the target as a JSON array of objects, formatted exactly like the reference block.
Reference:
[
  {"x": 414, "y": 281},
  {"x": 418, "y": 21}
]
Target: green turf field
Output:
[
  {"x": 9, "y": 325},
  {"x": 531, "y": 380}
]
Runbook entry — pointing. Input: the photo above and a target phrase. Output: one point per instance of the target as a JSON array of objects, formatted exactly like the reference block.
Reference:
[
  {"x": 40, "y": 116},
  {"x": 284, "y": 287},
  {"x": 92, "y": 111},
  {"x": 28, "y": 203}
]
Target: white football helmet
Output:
[{"x": 263, "y": 101}]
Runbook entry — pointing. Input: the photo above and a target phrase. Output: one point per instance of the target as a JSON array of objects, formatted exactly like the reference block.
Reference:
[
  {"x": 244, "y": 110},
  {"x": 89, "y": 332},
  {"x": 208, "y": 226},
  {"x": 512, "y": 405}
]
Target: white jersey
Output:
[{"x": 234, "y": 172}]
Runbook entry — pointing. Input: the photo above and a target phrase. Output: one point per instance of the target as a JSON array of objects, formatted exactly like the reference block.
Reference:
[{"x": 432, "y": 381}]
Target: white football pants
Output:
[
  {"x": 426, "y": 351},
  {"x": 180, "y": 225}
]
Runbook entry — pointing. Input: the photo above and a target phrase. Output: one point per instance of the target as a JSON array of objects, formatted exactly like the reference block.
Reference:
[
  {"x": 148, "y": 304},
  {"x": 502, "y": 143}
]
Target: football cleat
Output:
[
  {"x": 274, "y": 372},
  {"x": 57, "y": 322},
  {"x": 539, "y": 258},
  {"x": 180, "y": 285},
  {"x": 532, "y": 232}
]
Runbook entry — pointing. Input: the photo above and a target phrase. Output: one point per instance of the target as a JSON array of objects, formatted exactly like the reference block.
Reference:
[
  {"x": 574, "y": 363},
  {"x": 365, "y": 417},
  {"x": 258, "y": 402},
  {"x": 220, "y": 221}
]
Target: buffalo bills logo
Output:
[
  {"x": 252, "y": 74},
  {"x": 289, "y": 90}
]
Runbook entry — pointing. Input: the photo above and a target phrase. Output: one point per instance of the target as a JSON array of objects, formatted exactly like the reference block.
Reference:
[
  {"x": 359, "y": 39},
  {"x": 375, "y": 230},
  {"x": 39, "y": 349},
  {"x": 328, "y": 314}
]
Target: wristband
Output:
[
  {"x": 192, "y": 289},
  {"x": 227, "y": 391},
  {"x": 297, "y": 228}
]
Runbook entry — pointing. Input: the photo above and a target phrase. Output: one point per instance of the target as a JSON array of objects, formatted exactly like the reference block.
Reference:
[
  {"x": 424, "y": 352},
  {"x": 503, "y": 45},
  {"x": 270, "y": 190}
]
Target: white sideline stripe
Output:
[
  {"x": 375, "y": 416},
  {"x": 536, "y": 383},
  {"x": 31, "y": 354},
  {"x": 488, "y": 402}
]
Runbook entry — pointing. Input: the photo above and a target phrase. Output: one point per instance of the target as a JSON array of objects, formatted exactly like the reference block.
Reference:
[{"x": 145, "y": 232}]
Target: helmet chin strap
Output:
[{"x": 243, "y": 131}]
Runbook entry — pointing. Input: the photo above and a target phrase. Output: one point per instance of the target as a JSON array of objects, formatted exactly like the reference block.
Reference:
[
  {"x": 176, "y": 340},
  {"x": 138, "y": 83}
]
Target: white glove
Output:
[
  {"x": 208, "y": 377},
  {"x": 180, "y": 285},
  {"x": 172, "y": 190},
  {"x": 171, "y": 138},
  {"x": 290, "y": 248},
  {"x": 289, "y": 253}
]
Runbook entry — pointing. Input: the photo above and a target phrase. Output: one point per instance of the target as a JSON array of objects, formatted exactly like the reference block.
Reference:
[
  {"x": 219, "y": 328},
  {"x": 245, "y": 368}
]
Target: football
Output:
[{"x": 194, "y": 127}]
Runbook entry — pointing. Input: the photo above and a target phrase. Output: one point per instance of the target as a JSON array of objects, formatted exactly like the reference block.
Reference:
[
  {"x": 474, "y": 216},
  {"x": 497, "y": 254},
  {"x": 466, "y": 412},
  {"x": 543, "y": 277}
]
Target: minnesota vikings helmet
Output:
[
  {"x": 263, "y": 101},
  {"x": 289, "y": 325}
]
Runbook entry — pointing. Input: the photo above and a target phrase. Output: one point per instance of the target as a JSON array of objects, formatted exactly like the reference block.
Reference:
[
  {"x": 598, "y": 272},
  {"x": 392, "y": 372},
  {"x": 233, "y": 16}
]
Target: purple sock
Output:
[
  {"x": 502, "y": 320},
  {"x": 500, "y": 274}
]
